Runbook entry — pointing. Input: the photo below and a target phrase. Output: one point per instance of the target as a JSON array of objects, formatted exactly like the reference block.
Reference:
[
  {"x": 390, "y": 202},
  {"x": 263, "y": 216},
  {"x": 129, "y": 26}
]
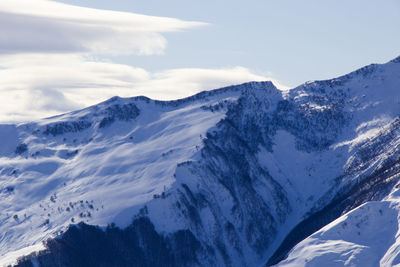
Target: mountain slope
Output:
[
  {"x": 220, "y": 178},
  {"x": 366, "y": 236}
]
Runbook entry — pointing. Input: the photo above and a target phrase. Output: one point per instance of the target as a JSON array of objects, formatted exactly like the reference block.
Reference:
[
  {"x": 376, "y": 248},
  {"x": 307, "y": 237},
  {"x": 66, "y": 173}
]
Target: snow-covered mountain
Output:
[{"x": 231, "y": 177}]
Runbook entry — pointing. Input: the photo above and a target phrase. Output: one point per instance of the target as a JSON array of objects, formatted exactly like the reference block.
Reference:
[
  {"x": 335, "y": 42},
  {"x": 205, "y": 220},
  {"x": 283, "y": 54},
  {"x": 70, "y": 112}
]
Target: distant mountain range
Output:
[{"x": 246, "y": 175}]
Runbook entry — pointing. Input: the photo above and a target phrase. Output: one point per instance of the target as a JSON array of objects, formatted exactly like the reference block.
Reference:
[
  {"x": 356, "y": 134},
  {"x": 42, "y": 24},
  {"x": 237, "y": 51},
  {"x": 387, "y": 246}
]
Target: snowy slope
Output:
[
  {"x": 93, "y": 173},
  {"x": 366, "y": 236},
  {"x": 370, "y": 143},
  {"x": 233, "y": 170}
]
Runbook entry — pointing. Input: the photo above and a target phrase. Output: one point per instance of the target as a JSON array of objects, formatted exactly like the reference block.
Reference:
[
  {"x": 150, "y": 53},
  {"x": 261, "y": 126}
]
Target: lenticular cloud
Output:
[{"x": 43, "y": 26}]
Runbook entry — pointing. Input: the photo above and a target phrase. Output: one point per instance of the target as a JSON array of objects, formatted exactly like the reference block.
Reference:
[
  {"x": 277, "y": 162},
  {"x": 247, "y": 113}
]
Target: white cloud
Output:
[
  {"x": 176, "y": 83},
  {"x": 47, "y": 67},
  {"x": 44, "y": 26},
  {"x": 37, "y": 85}
]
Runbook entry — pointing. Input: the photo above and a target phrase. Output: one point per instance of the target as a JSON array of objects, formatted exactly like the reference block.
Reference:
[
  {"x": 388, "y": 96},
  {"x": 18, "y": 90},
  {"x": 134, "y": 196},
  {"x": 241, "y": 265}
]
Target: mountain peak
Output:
[{"x": 396, "y": 60}]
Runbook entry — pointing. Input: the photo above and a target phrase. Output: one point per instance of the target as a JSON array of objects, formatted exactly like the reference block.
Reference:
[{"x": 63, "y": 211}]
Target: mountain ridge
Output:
[{"x": 231, "y": 185}]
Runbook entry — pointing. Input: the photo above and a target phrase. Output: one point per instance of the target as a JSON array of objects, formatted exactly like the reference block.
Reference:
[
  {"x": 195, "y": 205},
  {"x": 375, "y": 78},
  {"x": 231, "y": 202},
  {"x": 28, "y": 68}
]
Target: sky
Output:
[{"x": 58, "y": 56}]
